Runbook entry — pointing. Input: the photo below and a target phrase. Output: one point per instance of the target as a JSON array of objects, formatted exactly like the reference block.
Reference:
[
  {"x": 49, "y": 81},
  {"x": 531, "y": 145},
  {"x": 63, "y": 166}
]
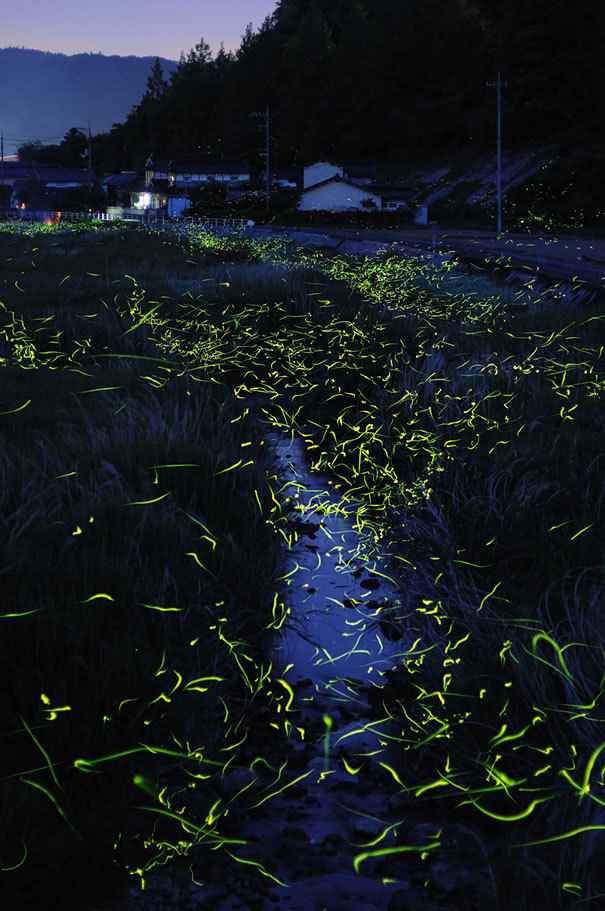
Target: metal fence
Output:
[
  {"x": 147, "y": 217},
  {"x": 19, "y": 215},
  {"x": 216, "y": 222}
]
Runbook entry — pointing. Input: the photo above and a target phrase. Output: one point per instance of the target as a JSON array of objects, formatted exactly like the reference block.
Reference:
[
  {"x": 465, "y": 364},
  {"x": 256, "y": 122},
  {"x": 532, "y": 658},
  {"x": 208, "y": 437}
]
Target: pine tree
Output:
[{"x": 156, "y": 84}]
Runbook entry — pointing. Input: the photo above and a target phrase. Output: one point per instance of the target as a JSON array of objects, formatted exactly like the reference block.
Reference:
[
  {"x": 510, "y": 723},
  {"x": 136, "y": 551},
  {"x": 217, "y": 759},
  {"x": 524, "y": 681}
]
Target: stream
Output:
[
  {"x": 339, "y": 585},
  {"x": 335, "y": 801}
]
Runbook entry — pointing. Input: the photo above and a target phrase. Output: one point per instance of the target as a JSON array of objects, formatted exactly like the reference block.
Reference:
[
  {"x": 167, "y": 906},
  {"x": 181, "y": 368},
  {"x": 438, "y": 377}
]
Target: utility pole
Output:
[
  {"x": 266, "y": 155},
  {"x": 499, "y": 85},
  {"x": 89, "y": 156},
  {"x": 2, "y": 165},
  {"x": 89, "y": 160},
  {"x": 268, "y": 174}
]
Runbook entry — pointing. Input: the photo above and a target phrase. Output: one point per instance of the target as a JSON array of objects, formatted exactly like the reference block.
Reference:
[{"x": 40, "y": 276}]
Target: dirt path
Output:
[
  {"x": 563, "y": 247},
  {"x": 572, "y": 261}
]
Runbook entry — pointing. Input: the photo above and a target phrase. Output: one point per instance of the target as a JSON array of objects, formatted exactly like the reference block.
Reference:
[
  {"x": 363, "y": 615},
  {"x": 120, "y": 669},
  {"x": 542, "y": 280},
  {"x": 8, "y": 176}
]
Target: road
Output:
[{"x": 565, "y": 258}]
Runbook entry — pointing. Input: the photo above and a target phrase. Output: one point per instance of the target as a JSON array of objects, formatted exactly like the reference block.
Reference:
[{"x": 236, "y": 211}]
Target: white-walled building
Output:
[
  {"x": 336, "y": 194},
  {"x": 320, "y": 172},
  {"x": 361, "y": 173},
  {"x": 341, "y": 187}
]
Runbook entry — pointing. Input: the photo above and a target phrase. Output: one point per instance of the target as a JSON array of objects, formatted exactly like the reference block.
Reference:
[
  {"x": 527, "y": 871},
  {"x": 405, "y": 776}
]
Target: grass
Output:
[
  {"x": 473, "y": 435},
  {"x": 559, "y": 198},
  {"x": 133, "y": 555}
]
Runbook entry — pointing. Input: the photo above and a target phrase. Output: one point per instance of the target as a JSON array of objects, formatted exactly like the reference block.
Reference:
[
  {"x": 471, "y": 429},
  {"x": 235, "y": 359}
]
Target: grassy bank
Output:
[
  {"x": 137, "y": 567},
  {"x": 473, "y": 434}
]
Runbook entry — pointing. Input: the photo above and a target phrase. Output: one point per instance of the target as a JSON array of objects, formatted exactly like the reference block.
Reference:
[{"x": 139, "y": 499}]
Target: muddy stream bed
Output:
[{"x": 334, "y": 651}]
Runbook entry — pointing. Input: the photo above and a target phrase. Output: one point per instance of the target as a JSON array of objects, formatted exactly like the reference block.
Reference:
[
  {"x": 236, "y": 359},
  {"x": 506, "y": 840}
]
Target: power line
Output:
[{"x": 32, "y": 138}]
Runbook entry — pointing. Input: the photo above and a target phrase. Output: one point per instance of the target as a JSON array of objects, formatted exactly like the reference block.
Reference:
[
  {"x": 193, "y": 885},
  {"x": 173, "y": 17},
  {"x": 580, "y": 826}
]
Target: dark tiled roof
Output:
[
  {"x": 50, "y": 193},
  {"x": 237, "y": 194},
  {"x": 61, "y": 192},
  {"x": 286, "y": 173},
  {"x": 392, "y": 192},
  {"x": 351, "y": 168},
  {"x": 336, "y": 178},
  {"x": 191, "y": 165},
  {"x": 119, "y": 180},
  {"x": 25, "y": 170}
]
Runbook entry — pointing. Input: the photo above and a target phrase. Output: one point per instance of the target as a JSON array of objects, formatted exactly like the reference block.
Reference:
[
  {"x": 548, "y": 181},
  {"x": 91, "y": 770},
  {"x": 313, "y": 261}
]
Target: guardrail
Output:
[
  {"x": 19, "y": 215},
  {"x": 215, "y": 222},
  {"x": 146, "y": 217}
]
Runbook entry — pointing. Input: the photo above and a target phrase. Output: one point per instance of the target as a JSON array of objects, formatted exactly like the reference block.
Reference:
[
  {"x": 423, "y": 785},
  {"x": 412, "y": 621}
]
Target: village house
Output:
[
  {"x": 117, "y": 185},
  {"x": 321, "y": 185},
  {"x": 347, "y": 186},
  {"x": 50, "y": 175},
  {"x": 337, "y": 194},
  {"x": 281, "y": 179},
  {"x": 286, "y": 178},
  {"x": 53, "y": 182},
  {"x": 188, "y": 171},
  {"x": 167, "y": 180},
  {"x": 394, "y": 197}
]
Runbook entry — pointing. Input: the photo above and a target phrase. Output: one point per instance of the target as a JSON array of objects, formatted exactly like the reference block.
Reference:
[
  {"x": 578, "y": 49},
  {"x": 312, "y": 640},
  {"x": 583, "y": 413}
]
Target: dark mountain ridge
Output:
[{"x": 43, "y": 94}]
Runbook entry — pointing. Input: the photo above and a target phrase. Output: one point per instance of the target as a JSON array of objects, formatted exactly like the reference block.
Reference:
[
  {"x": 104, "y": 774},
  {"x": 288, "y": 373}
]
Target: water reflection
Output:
[{"x": 340, "y": 587}]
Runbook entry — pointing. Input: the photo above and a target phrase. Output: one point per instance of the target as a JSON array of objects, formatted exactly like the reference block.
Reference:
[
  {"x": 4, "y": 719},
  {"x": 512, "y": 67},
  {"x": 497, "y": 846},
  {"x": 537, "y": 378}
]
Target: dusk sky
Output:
[{"x": 161, "y": 28}]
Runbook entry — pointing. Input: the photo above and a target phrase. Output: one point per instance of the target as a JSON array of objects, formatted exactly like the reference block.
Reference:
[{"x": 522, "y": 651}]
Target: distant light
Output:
[{"x": 145, "y": 200}]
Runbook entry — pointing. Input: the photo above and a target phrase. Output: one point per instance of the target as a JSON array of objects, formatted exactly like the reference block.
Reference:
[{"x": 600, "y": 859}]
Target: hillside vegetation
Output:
[{"x": 43, "y": 95}]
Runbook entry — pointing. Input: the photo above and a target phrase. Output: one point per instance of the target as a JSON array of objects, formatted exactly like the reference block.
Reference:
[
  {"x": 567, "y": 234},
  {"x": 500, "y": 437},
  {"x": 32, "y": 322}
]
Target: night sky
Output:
[{"x": 139, "y": 27}]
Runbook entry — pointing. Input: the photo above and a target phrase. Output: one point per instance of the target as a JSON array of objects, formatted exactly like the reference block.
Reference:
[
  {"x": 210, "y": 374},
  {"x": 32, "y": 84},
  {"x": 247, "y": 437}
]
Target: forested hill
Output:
[
  {"x": 349, "y": 79},
  {"x": 377, "y": 78},
  {"x": 42, "y": 95}
]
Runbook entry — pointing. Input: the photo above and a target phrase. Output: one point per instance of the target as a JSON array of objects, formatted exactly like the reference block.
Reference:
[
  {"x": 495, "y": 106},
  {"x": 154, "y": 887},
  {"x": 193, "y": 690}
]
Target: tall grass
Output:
[
  {"x": 137, "y": 571},
  {"x": 473, "y": 436}
]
